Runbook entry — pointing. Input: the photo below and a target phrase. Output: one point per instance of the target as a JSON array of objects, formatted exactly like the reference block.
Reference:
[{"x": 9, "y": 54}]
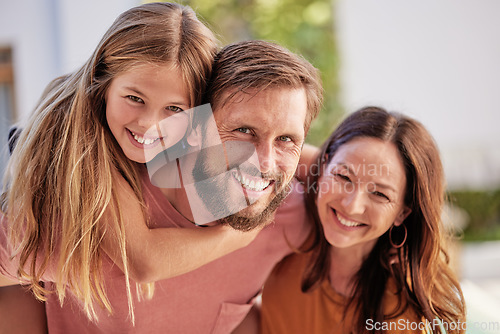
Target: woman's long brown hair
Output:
[{"x": 422, "y": 273}]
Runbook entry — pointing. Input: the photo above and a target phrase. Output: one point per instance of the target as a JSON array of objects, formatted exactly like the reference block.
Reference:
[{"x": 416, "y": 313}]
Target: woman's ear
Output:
[
  {"x": 403, "y": 214},
  {"x": 194, "y": 137}
]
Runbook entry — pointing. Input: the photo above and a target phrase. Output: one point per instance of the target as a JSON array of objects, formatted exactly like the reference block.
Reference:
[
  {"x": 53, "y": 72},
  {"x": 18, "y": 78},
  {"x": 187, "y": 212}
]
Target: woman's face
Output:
[
  {"x": 145, "y": 110},
  {"x": 361, "y": 193}
]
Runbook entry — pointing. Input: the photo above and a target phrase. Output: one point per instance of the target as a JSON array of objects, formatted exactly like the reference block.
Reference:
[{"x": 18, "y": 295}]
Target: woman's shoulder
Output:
[
  {"x": 292, "y": 265},
  {"x": 398, "y": 309},
  {"x": 287, "y": 274}
]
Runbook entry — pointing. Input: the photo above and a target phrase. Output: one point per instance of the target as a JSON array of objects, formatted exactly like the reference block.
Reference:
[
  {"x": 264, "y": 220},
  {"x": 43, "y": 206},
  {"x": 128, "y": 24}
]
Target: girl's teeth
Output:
[{"x": 141, "y": 140}]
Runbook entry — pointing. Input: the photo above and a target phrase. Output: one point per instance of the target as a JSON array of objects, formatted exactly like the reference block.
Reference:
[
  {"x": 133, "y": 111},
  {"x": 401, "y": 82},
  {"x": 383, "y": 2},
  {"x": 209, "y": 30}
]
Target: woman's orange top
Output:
[{"x": 287, "y": 310}]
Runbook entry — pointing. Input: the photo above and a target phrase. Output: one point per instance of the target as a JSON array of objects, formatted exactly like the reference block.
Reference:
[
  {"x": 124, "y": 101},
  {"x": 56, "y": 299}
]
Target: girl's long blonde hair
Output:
[{"x": 59, "y": 182}]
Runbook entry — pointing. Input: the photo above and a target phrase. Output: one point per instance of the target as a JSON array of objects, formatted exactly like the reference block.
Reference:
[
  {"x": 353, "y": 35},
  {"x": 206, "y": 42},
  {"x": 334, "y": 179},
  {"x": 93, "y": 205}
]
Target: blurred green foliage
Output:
[
  {"x": 305, "y": 27},
  {"x": 483, "y": 208}
]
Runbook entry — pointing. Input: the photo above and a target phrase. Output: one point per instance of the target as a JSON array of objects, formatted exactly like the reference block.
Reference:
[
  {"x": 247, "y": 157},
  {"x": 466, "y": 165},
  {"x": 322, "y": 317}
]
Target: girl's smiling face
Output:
[
  {"x": 145, "y": 110},
  {"x": 361, "y": 193}
]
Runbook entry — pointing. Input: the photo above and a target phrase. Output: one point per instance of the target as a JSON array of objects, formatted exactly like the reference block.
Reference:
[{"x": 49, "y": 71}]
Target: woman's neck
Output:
[{"x": 344, "y": 265}]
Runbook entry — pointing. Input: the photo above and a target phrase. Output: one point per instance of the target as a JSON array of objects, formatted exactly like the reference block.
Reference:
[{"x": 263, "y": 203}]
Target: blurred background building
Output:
[{"x": 435, "y": 60}]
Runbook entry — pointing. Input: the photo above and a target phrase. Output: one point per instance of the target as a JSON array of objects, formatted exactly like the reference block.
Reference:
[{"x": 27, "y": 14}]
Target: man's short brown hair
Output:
[{"x": 256, "y": 65}]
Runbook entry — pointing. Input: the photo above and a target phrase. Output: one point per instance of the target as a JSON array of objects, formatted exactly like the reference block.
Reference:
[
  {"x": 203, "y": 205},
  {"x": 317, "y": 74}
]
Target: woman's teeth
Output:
[
  {"x": 252, "y": 184},
  {"x": 142, "y": 140},
  {"x": 346, "y": 222}
]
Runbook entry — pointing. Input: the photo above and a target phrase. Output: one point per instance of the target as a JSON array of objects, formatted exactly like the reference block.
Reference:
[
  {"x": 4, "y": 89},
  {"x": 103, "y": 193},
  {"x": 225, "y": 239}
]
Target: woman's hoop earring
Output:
[{"x": 404, "y": 240}]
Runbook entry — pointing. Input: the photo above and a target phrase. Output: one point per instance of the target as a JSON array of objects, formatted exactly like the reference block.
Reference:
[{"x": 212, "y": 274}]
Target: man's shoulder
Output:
[
  {"x": 292, "y": 216},
  {"x": 293, "y": 204}
]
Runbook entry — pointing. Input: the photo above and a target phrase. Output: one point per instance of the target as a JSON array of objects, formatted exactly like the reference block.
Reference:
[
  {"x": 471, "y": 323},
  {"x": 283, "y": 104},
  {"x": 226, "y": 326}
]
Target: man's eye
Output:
[
  {"x": 243, "y": 130},
  {"x": 175, "y": 109},
  {"x": 284, "y": 138},
  {"x": 135, "y": 99}
]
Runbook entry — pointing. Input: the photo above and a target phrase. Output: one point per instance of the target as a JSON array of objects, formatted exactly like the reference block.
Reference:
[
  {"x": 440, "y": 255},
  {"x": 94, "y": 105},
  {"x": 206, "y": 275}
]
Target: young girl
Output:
[
  {"x": 378, "y": 261},
  {"x": 76, "y": 185}
]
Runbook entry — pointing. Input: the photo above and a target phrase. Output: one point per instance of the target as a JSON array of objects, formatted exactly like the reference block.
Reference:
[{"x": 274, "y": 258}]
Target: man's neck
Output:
[{"x": 179, "y": 200}]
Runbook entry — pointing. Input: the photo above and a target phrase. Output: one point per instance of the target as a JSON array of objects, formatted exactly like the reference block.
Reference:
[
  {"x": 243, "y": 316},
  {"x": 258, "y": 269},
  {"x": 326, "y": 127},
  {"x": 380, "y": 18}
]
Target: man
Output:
[
  {"x": 262, "y": 110},
  {"x": 263, "y": 99}
]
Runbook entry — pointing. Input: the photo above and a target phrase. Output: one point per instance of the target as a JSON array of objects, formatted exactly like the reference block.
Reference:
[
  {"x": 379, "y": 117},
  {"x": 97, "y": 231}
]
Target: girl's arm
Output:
[
  {"x": 161, "y": 253},
  {"x": 5, "y": 281}
]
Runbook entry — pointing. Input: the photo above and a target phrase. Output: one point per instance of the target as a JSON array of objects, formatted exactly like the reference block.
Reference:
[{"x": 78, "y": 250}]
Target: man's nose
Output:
[{"x": 267, "y": 157}]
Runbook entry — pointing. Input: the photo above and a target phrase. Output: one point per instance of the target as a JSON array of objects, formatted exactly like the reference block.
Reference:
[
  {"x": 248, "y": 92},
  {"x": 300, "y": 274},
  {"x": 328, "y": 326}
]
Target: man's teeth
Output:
[
  {"x": 347, "y": 223},
  {"x": 252, "y": 184},
  {"x": 142, "y": 140}
]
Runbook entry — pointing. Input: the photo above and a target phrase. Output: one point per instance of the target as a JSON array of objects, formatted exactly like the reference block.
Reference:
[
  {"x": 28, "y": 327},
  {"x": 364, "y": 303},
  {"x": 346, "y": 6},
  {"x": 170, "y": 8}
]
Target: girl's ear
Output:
[
  {"x": 403, "y": 214},
  {"x": 194, "y": 137}
]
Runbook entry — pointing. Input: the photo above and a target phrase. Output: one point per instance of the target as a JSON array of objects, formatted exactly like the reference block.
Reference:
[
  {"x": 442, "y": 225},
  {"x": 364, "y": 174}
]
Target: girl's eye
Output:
[
  {"x": 175, "y": 109},
  {"x": 243, "y": 130},
  {"x": 135, "y": 99}
]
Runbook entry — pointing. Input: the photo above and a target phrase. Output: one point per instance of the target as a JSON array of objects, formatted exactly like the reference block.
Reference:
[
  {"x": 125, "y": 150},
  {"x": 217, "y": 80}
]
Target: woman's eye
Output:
[
  {"x": 342, "y": 177},
  {"x": 135, "y": 99},
  {"x": 175, "y": 109},
  {"x": 381, "y": 195}
]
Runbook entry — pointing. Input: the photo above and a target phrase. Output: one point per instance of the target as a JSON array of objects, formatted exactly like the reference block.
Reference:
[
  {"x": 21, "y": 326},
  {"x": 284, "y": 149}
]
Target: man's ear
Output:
[
  {"x": 194, "y": 137},
  {"x": 403, "y": 214}
]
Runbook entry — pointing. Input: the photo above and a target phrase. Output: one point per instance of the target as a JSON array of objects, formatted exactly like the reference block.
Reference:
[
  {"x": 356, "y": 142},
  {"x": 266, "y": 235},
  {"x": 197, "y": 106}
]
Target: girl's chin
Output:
[
  {"x": 140, "y": 156},
  {"x": 137, "y": 158}
]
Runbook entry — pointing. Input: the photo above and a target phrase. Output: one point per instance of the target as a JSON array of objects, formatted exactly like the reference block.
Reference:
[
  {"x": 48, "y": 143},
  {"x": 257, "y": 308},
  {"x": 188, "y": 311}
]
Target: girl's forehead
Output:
[{"x": 150, "y": 67}]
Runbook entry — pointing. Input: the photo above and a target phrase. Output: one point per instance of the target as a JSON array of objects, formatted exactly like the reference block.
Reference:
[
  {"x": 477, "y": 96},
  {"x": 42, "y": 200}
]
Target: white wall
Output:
[
  {"x": 26, "y": 26},
  {"x": 83, "y": 23},
  {"x": 435, "y": 60},
  {"x": 52, "y": 37}
]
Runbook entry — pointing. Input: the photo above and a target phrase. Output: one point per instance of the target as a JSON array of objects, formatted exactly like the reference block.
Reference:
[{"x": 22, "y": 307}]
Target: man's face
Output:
[{"x": 262, "y": 135}]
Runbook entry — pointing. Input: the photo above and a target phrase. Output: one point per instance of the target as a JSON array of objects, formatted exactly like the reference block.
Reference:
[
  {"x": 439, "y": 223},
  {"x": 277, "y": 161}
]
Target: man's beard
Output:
[
  {"x": 243, "y": 223},
  {"x": 218, "y": 201}
]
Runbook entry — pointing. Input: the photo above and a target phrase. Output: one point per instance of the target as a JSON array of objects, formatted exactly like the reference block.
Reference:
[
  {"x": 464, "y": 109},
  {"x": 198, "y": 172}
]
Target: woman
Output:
[{"x": 378, "y": 261}]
